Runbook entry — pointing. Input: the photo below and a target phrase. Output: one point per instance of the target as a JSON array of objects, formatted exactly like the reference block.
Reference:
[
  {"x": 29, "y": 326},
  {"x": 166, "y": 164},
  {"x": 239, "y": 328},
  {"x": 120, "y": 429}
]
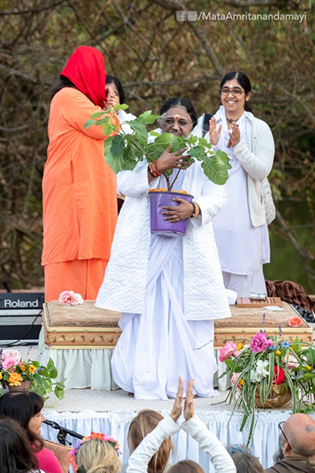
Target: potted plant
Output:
[
  {"x": 268, "y": 373},
  {"x": 125, "y": 150},
  {"x": 19, "y": 375}
]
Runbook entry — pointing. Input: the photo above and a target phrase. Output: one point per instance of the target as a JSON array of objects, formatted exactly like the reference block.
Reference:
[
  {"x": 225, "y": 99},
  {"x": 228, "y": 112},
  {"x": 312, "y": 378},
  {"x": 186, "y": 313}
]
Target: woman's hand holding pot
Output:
[{"x": 180, "y": 212}]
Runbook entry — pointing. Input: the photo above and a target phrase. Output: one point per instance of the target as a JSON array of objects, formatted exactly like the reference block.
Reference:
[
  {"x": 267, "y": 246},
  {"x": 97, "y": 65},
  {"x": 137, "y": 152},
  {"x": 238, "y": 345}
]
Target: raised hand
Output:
[
  {"x": 189, "y": 401},
  {"x": 235, "y": 136},
  {"x": 214, "y": 132},
  {"x": 178, "y": 403}
]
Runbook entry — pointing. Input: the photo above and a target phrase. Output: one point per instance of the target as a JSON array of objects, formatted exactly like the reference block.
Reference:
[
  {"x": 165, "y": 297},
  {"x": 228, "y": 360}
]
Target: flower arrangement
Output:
[
  {"x": 269, "y": 369},
  {"x": 124, "y": 150},
  {"x": 93, "y": 436},
  {"x": 70, "y": 298},
  {"x": 14, "y": 371}
]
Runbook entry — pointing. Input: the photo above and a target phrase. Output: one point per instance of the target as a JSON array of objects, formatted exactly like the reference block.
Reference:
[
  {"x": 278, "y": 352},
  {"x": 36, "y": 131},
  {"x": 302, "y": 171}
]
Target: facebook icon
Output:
[{"x": 181, "y": 16}]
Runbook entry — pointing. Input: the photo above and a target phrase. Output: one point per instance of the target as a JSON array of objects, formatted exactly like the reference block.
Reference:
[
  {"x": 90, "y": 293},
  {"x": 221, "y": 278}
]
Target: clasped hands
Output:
[
  {"x": 235, "y": 136},
  {"x": 188, "y": 404}
]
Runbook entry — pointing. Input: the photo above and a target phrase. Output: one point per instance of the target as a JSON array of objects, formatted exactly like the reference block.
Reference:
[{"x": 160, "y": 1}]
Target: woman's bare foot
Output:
[{"x": 131, "y": 395}]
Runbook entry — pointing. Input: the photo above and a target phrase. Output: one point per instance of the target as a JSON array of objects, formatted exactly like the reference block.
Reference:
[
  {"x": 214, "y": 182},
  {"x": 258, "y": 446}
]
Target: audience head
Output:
[
  {"x": 25, "y": 407},
  {"x": 114, "y": 91},
  {"x": 244, "y": 461},
  {"x": 186, "y": 466},
  {"x": 297, "y": 436},
  {"x": 15, "y": 451},
  {"x": 140, "y": 426},
  {"x": 97, "y": 453}
]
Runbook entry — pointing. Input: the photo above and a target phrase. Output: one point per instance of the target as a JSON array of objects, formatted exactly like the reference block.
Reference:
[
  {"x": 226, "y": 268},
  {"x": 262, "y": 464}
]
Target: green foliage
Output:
[{"x": 125, "y": 150}]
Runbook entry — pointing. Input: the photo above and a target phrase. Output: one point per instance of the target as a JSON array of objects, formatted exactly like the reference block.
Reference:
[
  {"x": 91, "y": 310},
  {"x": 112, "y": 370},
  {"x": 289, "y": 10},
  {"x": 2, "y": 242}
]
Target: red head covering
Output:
[{"x": 86, "y": 69}]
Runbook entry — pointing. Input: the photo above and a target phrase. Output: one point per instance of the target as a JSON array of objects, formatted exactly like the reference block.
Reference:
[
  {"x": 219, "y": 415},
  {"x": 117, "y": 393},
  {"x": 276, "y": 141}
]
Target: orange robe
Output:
[{"x": 79, "y": 193}]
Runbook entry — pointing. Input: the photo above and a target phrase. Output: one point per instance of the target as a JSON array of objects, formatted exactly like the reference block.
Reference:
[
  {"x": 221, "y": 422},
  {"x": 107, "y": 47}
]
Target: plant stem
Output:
[{"x": 171, "y": 187}]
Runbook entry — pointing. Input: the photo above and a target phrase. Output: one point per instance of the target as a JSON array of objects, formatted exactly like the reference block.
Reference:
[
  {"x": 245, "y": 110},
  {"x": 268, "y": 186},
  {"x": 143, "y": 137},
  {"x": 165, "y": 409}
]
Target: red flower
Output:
[{"x": 279, "y": 376}]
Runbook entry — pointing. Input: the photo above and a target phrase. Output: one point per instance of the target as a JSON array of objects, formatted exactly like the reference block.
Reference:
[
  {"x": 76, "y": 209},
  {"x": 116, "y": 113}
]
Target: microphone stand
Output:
[{"x": 63, "y": 432}]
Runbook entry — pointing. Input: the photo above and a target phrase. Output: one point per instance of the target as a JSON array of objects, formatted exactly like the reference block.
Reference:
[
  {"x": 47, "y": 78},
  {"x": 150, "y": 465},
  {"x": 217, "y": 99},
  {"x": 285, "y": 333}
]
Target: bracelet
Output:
[
  {"x": 157, "y": 172},
  {"x": 196, "y": 210},
  {"x": 150, "y": 172}
]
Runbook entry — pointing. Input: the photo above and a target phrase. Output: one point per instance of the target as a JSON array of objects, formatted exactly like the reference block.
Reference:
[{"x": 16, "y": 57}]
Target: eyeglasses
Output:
[
  {"x": 281, "y": 430},
  {"x": 235, "y": 91}
]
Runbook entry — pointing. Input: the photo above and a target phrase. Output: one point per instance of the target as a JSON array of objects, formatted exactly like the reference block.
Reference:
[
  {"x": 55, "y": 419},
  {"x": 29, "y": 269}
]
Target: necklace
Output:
[{"x": 230, "y": 120}]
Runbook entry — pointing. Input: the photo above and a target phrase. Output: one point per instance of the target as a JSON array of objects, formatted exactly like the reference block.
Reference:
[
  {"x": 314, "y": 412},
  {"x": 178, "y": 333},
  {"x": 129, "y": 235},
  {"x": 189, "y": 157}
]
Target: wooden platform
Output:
[
  {"x": 246, "y": 322},
  {"x": 86, "y": 326}
]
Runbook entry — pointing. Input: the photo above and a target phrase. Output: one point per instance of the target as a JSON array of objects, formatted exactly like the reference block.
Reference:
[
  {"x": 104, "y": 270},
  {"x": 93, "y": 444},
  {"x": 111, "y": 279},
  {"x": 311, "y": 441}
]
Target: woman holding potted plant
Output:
[{"x": 169, "y": 289}]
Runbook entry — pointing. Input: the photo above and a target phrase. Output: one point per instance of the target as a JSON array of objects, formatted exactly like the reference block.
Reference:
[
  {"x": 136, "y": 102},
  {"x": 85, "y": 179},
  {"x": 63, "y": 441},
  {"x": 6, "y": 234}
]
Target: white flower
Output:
[
  {"x": 255, "y": 377},
  {"x": 79, "y": 299},
  {"x": 262, "y": 368},
  {"x": 261, "y": 371}
]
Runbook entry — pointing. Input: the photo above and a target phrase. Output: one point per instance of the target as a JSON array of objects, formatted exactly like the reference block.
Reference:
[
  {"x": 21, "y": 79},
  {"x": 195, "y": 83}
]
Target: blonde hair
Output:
[
  {"x": 140, "y": 426},
  {"x": 98, "y": 456}
]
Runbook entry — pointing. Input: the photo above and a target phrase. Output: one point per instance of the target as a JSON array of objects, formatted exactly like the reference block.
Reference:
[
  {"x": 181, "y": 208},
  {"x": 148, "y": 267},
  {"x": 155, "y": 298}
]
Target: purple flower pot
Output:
[{"x": 162, "y": 227}]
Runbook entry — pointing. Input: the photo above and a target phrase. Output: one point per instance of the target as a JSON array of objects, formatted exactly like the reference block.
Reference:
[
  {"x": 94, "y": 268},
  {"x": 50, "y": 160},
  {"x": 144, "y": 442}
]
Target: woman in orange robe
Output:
[{"x": 79, "y": 188}]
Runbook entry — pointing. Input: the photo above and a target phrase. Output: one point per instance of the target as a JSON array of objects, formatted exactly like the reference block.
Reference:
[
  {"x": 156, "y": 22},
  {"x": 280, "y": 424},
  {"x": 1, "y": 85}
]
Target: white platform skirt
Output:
[{"x": 159, "y": 345}]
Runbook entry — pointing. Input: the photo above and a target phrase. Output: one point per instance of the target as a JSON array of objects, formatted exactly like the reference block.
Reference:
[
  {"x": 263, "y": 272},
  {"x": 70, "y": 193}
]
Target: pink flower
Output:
[
  {"x": 8, "y": 363},
  {"x": 70, "y": 298},
  {"x": 229, "y": 349},
  {"x": 295, "y": 321},
  {"x": 10, "y": 353},
  {"x": 260, "y": 342},
  {"x": 234, "y": 378}
]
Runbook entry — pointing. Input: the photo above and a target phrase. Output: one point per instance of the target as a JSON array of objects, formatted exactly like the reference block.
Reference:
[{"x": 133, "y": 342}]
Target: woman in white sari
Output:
[{"x": 169, "y": 290}]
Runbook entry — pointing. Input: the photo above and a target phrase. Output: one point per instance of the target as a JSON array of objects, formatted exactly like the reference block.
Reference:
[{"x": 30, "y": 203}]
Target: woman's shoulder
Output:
[{"x": 68, "y": 94}]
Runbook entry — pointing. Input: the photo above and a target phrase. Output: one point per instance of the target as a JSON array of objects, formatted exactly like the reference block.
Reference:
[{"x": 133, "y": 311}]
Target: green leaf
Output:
[
  {"x": 59, "y": 392},
  {"x": 38, "y": 379},
  {"x": 196, "y": 151},
  {"x": 53, "y": 372},
  {"x": 224, "y": 158},
  {"x": 167, "y": 138},
  {"x": 229, "y": 363},
  {"x": 98, "y": 114},
  {"x": 215, "y": 170},
  {"x": 121, "y": 106},
  {"x": 89, "y": 123},
  {"x": 118, "y": 145},
  {"x": 108, "y": 129},
  {"x": 147, "y": 117}
]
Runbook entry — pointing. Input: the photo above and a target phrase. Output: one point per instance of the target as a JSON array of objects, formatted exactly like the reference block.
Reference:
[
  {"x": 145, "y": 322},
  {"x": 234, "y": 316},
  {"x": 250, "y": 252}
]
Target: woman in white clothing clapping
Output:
[{"x": 240, "y": 228}]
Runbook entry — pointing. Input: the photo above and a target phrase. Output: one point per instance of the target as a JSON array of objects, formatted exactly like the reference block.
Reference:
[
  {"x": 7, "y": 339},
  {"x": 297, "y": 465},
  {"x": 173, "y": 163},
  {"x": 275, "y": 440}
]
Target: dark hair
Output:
[
  {"x": 63, "y": 82},
  {"x": 142, "y": 425},
  {"x": 244, "y": 82},
  {"x": 244, "y": 461},
  {"x": 22, "y": 406},
  {"x": 183, "y": 103},
  {"x": 116, "y": 81},
  {"x": 186, "y": 466},
  {"x": 15, "y": 451}
]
